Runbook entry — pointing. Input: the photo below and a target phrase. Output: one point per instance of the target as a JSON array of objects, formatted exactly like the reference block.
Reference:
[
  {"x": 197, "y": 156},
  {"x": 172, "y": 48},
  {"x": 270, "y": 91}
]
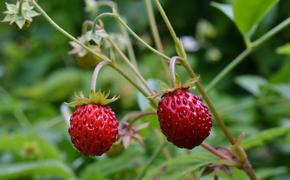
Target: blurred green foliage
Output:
[{"x": 37, "y": 75}]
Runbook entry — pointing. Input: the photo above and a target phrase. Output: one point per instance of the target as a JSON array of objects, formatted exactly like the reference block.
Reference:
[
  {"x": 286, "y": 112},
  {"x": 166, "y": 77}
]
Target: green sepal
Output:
[
  {"x": 13, "y": 15},
  {"x": 99, "y": 98}
]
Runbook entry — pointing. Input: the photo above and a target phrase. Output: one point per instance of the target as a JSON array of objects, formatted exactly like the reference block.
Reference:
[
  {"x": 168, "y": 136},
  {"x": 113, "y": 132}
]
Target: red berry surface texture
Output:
[
  {"x": 184, "y": 118},
  {"x": 93, "y": 129}
]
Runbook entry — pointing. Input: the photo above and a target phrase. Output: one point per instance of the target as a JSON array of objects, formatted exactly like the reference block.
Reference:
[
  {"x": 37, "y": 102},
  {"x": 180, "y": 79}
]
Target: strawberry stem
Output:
[
  {"x": 121, "y": 21},
  {"x": 139, "y": 116},
  {"x": 86, "y": 25},
  {"x": 215, "y": 151},
  {"x": 20, "y": 7},
  {"x": 156, "y": 35},
  {"x": 95, "y": 74},
  {"x": 132, "y": 66},
  {"x": 172, "y": 70}
]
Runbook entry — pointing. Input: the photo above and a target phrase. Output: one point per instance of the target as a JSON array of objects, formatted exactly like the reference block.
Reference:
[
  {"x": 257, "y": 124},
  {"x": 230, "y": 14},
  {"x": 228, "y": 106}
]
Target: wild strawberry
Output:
[
  {"x": 184, "y": 118},
  {"x": 93, "y": 126}
]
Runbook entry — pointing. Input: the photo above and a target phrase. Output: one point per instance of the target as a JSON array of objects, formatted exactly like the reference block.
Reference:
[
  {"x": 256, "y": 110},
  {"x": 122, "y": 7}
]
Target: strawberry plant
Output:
[{"x": 175, "y": 105}]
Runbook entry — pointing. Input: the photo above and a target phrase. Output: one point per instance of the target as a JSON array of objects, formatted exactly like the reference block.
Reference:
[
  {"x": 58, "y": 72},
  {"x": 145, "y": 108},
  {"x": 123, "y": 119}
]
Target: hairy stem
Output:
[
  {"x": 20, "y": 7},
  {"x": 215, "y": 151},
  {"x": 101, "y": 56},
  {"x": 115, "y": 10},
  {"x": 134, "y": 68},
  {"x": 166, "y": 20},
  {"x": 216, "y": 115},
  {"x": 127, "y": 77},
  {"x": 156, "y": 36},
  {"x": 115, "y": 16},
  {"x": 69, "y": 36},
  {"x": 247, "y": 52},
  {"x": 172, "y": 70},
  {"x": 95, "y": 74},
  {"x": 178, "y": 45},
  {"x": 180, "y": 50},
  {"x": 139, "y": 116}
]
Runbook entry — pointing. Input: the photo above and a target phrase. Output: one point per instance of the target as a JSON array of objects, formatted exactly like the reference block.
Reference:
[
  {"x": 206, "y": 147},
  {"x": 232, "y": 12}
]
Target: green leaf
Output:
[
  {"x": 111, "y": 166},
  {"x": 282, "y": 89},
  {"x": 267, "y": 135},
  {"x": 251, "y": 83},
  {"x": 27, "y": 146},
  {"x": 237, "y": 174},
  {"x": 53, "y": 168},
  {"x": 267, "y": 173},
  {"x": 282, "y": 75},
  {"x": 285, "y": 49},
  {"x": 227, "y": 9},
  {"x": 58, "y": 86},
  {"x": 248, "y": 13},
  {"x": 178, "y": 167}
]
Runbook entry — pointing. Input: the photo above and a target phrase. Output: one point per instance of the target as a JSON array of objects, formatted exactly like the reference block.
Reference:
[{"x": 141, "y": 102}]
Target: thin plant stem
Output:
[
  {"x": 246, "y": 164},
  {"x": 129, "y": 45},
  {"x": 127, "y": 77},
  {"x": 216, "y": 115},
  {"x": 129, "y": 116},
  {"x": 134, "y": 68},
  {"x": 69, "y": 36},
  {"x": 228, "y": 68},
  {"x": 130, "y": 49},
  {"x": 151, "y": 160},
  {"x": 215, "y": 151},
  {"x": 166, "y": 20},
  {"x": 172, "y": 70},
  {"x": 85, "y": 26},
  {"x": 256, "y": 44},
  {"x": 194, "y": 76},
  {"x": 247, "y": 168},
  {"x": 101, "y": 56},
  {"x": 140, "y": 116},
  {"x": 156, "y": 36},
  {"x": 115, "y": 16},
  {"x": 178, "y": 45},
  {"x": 95, "y": 74},
  {"x": 20, "y": 7}
]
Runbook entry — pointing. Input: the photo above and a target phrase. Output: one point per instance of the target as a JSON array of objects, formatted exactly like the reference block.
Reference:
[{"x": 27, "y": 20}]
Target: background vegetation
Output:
[{"x": 37, "y": 75}]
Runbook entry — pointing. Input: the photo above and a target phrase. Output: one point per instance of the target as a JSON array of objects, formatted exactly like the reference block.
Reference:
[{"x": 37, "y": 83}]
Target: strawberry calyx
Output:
[{"x": 99, "y": 98}]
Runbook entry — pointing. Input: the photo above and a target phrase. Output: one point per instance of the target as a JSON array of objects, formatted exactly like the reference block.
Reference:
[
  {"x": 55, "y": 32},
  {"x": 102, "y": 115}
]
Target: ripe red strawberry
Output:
[
  {"x": 184, "y": 118},
  {"x": 93, "y": 126}
]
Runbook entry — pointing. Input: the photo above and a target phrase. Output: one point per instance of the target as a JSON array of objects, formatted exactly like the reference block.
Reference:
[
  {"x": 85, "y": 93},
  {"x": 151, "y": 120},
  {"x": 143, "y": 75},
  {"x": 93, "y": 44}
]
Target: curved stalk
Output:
[
  {"x": 20, "y": 7},
  {"x": 95, "y": 74},
  {"x": 69, "y": 36},
  {"x": 172, "y": 70},
  {"x": 127, "y": 77},
  {"x": 114, "y": 9},
  {"x": 101, "y": 56},
  {"x": 113, "y": 15},
  {"x": 134, "y": 68},
  {"x": 180, "y": 50},
  {"x": 85, "y": 26}
]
